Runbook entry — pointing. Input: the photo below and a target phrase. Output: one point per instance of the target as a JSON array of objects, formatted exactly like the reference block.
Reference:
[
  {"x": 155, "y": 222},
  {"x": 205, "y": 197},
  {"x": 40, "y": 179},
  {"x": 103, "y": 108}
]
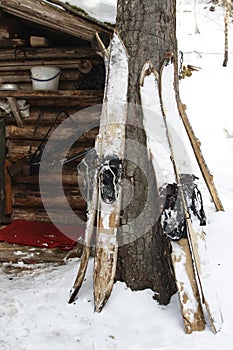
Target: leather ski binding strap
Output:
[{"x": 109, "y": 176}]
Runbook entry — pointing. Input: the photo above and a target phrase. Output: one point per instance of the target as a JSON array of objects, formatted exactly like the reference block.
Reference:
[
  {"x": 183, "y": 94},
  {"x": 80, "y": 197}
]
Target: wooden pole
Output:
[
  {"x": 15, "y": 111},
  {"x": 208, "y": 177},
  {"x": 8, "y": 190}
]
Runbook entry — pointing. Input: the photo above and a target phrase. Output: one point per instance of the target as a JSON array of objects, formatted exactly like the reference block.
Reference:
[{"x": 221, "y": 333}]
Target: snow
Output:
[
  {"x": 103, "y": 10},
  {"x": 153, "y": 121},
  {"x": 34, "y": 313}
]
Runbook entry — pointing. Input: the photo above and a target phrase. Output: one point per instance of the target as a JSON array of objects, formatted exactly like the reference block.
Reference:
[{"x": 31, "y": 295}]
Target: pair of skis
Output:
[
  {"x": 104, "y": 202},
  {"x": 181, "y": 221},
  {"x": 183, "y": 215}
]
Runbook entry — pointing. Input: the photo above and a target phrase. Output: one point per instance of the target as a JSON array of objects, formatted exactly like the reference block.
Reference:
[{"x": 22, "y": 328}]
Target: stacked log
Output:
[
  {"x": 47, "y": 111},
  {"x": 22, "y": 143}
]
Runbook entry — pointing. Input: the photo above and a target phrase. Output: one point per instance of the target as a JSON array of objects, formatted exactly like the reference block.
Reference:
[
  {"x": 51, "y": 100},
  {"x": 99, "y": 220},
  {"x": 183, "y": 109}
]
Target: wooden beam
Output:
[
  {"x": 61, "y": 63},
  {"x": 33, "y": 54},
  {"x": 15, "y": 110},
  {"x": 27, "y": 133},
  {"x": 39, "y": 214},
  {"x": 87, "y": 95}
]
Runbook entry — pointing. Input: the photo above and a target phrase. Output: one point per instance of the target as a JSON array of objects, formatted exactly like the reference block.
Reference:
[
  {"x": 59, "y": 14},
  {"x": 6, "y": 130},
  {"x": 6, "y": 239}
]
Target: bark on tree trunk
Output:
[{"x": 148, "y": 30}]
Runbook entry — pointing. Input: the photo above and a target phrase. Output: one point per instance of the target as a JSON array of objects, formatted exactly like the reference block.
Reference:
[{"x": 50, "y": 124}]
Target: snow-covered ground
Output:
[{"x": 34, "y": 313}]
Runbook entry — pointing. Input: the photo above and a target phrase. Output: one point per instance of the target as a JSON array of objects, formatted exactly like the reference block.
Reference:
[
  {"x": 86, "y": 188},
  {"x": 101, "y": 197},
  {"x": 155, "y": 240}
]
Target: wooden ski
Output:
[
  {"x": 158, "y": 145},
  {"x": 111, "y": 155},
  {"x": 92, "y": 194},
  {"x": 195, "y": 219}
]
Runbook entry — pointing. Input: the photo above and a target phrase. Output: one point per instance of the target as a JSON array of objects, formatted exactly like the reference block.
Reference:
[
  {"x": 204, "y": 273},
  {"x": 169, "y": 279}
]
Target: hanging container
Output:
[{"x": 45, "y": 78}]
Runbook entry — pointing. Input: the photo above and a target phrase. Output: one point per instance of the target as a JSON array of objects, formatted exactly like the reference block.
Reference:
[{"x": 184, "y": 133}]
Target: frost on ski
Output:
[
  {"x": 154, "y": 127},
  {"x": 183, "y": 164},
  {"x": 176, "y": 129},
  {"x": 158, "y": 144},
  {"x": 114, "y": 105},
  {"x": 110, "y": 150}
]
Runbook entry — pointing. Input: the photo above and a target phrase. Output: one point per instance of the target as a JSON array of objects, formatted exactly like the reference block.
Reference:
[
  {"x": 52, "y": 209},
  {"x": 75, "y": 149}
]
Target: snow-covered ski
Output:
[
  {"x": 105, "y": 200},
  {"x": 111, "y": 154},
  {"x": 190, "y": 196},
  {"x": 159, "y": 149},
  {"x": 91, "y": 176}
]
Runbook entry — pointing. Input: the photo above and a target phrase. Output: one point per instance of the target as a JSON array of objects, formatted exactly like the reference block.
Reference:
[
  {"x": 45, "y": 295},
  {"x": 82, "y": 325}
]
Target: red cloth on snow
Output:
[{"x": 42, "y": 235}]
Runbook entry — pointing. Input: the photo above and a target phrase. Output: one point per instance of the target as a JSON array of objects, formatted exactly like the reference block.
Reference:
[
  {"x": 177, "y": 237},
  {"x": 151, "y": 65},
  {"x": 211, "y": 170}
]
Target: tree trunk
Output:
[
  {"x": 147, "y": 29},
  {"x": 226, "y": 31}
]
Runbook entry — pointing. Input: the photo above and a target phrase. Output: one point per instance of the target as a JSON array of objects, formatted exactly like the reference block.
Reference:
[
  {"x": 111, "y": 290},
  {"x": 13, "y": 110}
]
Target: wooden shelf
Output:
[
  {"x": 32, "y": 94},
  {"x": 60, "y": 98}
]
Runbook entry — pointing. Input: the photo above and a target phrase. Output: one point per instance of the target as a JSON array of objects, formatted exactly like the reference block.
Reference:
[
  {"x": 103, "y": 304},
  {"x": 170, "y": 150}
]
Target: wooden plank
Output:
[
  {"x": 69, "y": 179},
  {"x": 15, "y": 110},
  {"x": 83, "y": 95},
  {"x": 39, "y": 214},
  {"x": 44, "y": 14},
  {"x": 27, "y": 133},
  {"x": 61, "y": 98},
  {"x": 14, "y": 76},
  {"x": 30, "y": 199},
  {"x": 83, "y": 116}
]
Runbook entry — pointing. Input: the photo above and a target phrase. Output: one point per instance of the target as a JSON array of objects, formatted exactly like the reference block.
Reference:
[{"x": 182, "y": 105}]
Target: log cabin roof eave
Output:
[{"x": 50, "y": 16}]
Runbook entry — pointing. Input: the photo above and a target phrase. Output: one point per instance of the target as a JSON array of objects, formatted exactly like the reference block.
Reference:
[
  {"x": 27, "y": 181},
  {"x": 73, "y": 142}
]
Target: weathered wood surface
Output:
[
  {"x": 28, "y": 133},
  {"x": 15, "y": 110},
  {"x": 81, "y": 116},
  {"x": 86, "y": 95},
  {"x": 60, "y": 98},
  {"x": 68, "y": 179},
  {"x": 33, "y": 199},
  {"x": 39, "y": 214},
  {"x": 34, "y": 54},
  {"x": 50, "y": 16},
  {"x": 62, "y": 63},
  {"x": 14, "y": 76}
]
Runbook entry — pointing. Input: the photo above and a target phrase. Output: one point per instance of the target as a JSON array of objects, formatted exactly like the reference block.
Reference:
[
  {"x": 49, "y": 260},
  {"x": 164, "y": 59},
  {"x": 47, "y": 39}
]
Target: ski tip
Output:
[
  {"x": 116, "y": 39},
  {"x": 168, "y": 59},
  {"x": 148, "y": 69}
]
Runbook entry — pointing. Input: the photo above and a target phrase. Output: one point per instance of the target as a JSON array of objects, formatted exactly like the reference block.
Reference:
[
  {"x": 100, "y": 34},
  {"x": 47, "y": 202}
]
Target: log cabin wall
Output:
[{"x": 81, "y": 85}]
